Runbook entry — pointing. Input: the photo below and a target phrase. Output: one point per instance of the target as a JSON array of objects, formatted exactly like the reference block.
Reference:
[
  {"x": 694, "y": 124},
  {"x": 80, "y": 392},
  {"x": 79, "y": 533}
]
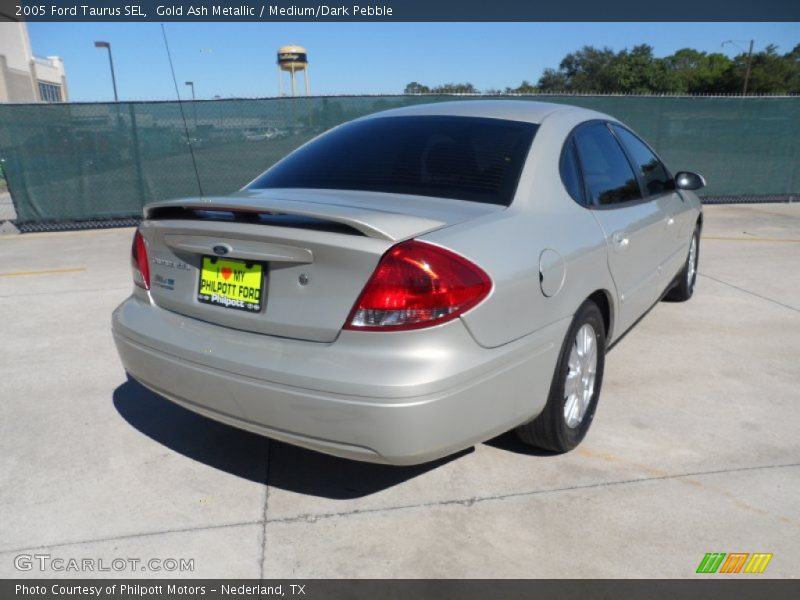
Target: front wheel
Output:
[
  {"x": 684, "y": 288},
  {"x": 575, "y": 388}
]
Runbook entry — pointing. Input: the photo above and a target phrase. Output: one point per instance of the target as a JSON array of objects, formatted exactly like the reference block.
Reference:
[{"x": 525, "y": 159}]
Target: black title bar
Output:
[
  {"x": 142, "y": 11},
  {"x": 701, "y": 588}
]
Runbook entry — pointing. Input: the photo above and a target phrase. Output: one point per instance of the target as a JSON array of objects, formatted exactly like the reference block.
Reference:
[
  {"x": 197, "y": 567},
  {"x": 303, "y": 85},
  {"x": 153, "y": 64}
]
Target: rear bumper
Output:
[{"x": 397, "y": 398}]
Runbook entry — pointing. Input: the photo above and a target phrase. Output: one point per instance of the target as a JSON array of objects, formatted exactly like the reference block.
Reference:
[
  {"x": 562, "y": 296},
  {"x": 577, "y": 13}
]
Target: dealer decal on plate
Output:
[{"x": 231, "y": 283}]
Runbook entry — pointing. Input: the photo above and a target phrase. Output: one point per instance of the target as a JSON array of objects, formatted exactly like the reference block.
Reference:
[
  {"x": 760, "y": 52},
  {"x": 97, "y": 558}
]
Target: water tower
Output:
[{"x": 292, "y": 59}]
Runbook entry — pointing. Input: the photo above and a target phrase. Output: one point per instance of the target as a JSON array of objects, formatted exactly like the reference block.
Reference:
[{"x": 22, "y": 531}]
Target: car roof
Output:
[{"x": 513, "y": 110}]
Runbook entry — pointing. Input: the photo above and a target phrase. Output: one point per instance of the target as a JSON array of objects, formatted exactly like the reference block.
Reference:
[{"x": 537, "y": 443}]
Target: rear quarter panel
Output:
[{"x": 508, "y": 246}]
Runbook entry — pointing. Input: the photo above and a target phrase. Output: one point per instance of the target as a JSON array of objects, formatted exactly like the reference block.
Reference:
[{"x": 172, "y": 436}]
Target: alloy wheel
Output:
[{"x": 579, "y": 383}]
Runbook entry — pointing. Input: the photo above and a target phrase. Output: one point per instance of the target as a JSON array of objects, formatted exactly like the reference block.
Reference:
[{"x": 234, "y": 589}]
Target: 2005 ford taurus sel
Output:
[{"x": 413, "y": 282}]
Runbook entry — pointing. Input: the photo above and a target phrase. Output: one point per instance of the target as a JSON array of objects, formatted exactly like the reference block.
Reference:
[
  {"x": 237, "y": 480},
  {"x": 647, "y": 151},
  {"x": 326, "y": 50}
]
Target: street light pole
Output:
[
  {"x": 194, "y": 106},
  {"x": 107, "y": 46},
  {"x": 749, "y": 65},
  {"x": 219, "y": 109},
  {"x": 749, "y": 61}
]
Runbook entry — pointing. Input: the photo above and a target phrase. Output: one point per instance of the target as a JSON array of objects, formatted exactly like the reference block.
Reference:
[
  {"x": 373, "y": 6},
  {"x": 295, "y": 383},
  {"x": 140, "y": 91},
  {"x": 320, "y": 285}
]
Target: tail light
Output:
[
  {"x": 139, "y": 262},
  {"x": 417, "y": 285}
]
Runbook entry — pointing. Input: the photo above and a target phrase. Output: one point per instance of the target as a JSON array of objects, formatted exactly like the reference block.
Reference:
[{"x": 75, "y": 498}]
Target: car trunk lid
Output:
[{"x": 317, "y": 250}]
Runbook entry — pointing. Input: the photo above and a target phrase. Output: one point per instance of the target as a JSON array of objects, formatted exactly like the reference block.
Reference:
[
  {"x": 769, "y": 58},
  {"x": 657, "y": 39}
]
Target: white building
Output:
[{"x": 25, "y": 77}]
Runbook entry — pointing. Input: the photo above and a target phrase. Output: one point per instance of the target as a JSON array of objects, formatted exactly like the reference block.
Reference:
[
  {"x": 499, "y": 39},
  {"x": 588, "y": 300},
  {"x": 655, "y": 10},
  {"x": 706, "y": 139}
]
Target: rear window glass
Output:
[
  {"x": 570, "y": 174},
  {"x": 463, "y": 158}
]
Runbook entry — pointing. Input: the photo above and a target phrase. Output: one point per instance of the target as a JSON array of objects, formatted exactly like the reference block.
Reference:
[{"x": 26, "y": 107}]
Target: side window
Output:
[
  {"x": 570, "y": 173},
  {"x": 609, "y": 176},
  {"x": 657, "y": 179}
]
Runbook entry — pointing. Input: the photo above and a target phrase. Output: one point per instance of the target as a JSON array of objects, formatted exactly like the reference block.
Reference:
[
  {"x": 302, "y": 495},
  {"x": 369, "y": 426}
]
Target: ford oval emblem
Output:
[{"x": 220, "y": 250}]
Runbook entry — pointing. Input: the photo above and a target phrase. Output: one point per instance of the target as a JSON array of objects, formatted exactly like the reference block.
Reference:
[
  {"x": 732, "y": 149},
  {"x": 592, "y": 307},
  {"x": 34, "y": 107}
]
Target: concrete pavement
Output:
[
  {"x": 693, "y": 450},
  {"x": 7, "y": 211}
]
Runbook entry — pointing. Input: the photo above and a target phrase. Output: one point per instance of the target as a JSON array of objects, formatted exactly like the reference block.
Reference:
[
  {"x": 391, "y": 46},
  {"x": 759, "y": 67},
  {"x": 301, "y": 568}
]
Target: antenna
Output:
[{"x": 183, "y": 115}]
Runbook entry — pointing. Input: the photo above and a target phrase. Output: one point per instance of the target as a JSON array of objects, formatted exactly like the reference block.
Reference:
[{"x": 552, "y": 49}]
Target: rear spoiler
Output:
[{"x": 374, "y": 223}]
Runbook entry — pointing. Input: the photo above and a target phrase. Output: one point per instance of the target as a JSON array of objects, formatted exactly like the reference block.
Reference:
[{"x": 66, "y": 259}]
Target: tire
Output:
[
  {"x": 557, "y": 429},
  {"x": 684, "y": 287}
]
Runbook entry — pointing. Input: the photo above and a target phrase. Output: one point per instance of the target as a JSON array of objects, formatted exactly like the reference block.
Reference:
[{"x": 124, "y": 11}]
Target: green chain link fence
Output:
[{"x": 90, "y": 162}]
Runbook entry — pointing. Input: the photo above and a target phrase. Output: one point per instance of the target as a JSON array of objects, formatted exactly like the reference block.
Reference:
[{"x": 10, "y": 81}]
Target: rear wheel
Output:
[
  {"x": 575, "y": 388},
  {"x": 684, "y": 288}
]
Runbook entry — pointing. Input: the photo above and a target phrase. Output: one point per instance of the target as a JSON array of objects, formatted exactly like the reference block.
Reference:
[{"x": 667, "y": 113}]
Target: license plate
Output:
[{"x": 231, "y": 283}]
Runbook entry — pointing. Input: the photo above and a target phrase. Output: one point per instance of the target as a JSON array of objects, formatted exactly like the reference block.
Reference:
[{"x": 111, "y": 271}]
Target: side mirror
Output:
[{"x": 686, "y": 180}]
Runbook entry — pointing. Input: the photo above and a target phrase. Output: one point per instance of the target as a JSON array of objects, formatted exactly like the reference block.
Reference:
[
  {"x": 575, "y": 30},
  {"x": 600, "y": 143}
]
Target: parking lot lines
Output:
[
  {"x": 748, "y": 239},
  {"x": 43, "y": 272}
]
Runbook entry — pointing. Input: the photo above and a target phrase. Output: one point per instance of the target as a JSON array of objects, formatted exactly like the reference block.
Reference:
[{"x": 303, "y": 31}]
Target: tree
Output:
[
  {"x": 793, "y": 58},
  {"x": 526, "y": 87},
  {"x": 601, "y": 70},
  {"x": 416, "y": 88},
  {"x": 455, "y": 88},
  {"x": 448, "y": 88},
  {"x": 588, "y": 70},
  {"x": 553, "y": 81},
  {"x": 770, "y": 72},
  {"x": 637, "y": 71},
  {"x": 698, "y": 72}
]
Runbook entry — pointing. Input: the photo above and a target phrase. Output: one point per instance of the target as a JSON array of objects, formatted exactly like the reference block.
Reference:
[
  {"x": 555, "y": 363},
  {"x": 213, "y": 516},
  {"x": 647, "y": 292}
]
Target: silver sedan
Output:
[{"x": 414, "y": 282}]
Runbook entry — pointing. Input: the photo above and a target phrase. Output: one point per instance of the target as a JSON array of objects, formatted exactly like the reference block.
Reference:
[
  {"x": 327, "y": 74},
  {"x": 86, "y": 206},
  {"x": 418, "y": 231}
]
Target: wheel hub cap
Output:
[
  {"x": 579, "y": 384},
  {"x": 692, "y": 262}
]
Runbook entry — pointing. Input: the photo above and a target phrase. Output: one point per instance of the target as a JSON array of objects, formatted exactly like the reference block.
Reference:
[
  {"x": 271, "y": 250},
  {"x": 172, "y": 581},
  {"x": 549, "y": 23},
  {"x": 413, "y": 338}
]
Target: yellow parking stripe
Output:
[
  {"x": 43, "y": 272},
  {"x": 749, "y": 239}
]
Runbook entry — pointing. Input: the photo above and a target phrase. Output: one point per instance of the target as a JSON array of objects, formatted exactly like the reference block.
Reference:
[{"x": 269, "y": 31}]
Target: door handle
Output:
[
  {"x": 670, "y": 221},
  {"x": 620, "y": 240}
]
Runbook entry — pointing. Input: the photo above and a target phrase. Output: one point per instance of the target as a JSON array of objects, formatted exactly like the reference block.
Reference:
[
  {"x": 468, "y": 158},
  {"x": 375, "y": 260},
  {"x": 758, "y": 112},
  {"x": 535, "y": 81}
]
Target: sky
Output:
[{"x": 238, "y": 59}]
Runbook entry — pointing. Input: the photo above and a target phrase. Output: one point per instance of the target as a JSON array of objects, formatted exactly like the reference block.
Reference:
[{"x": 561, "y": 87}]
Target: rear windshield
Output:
[{"x": 464, "y": 158}]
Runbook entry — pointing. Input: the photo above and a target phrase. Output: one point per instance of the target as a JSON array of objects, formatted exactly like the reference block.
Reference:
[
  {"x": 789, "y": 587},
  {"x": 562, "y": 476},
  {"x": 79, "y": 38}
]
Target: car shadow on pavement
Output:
[
  {"x": 511, "y": 443},
  {"x": 254, "y": 457}
]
